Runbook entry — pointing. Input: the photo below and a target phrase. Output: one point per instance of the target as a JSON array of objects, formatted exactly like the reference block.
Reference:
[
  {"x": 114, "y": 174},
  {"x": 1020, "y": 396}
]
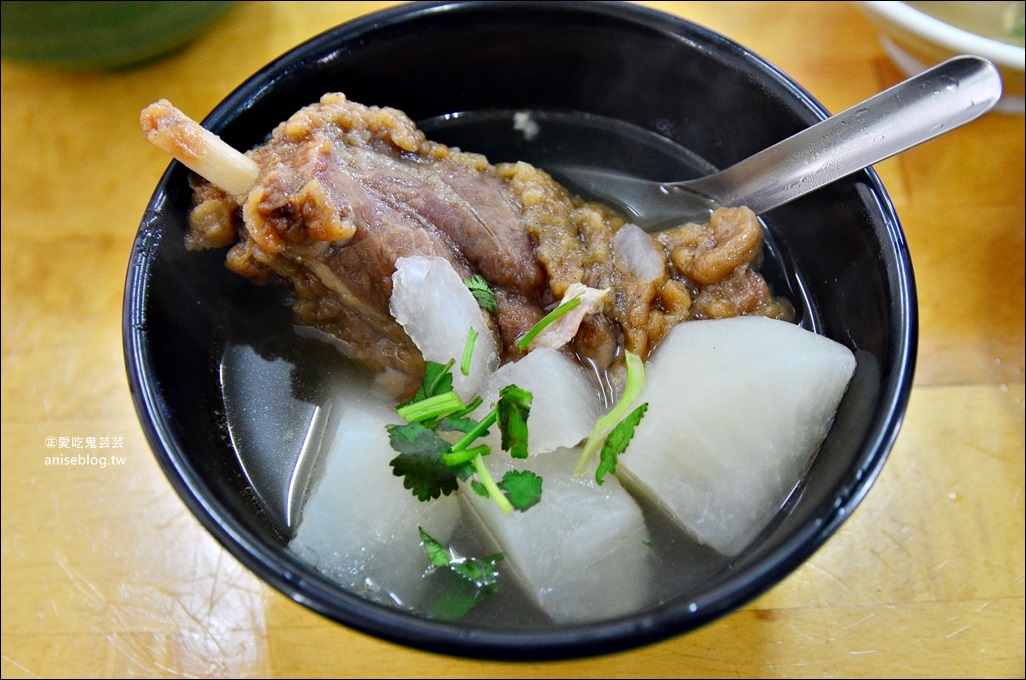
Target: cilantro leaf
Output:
[
  {"x": 492, "y": 490},
  {"x": 465, "y": 472},
  {"x": 480, "y": 571},
  {"x": 471, "y": 580},
  {"x": 483, "y": 293},
  {"x": 617, "y": 441},
  {"x": 523, "y": 488},
  {"x": 513, "y": 409},
  {"x": 430, "y": 466},
  {"x": 454, "y": 424},
  {"x": 520, "y": 488},
  {"x": 479, "y": 488},
  {"x": 419, "y": 462},
  {"x": 416, "y": 439},
  {"x": 438, "y": 554},
  {"x": 451, "y": 597}
]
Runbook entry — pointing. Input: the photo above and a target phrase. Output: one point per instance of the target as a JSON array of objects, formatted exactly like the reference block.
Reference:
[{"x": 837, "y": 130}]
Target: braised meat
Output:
[{"x": 341, "y": 190}]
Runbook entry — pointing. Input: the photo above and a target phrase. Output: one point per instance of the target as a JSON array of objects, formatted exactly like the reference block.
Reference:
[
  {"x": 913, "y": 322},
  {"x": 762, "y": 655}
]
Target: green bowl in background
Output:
[{"x": 100, "y": 35}]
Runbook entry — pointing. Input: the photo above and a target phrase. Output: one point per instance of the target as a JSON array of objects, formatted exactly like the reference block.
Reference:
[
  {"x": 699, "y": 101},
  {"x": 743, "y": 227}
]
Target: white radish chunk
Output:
[
  {"x": 737, "y": 410},
  {"x": 564, "y": 402},
  {"x": 359, "y": 524},
  {"x": 582, "y": 552},
  {"x": 437, "y": 310}
]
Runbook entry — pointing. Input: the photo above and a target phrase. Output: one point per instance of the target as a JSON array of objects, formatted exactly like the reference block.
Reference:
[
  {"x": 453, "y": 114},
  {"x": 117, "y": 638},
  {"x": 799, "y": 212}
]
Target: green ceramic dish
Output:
[{"x": 100, "y": 35}]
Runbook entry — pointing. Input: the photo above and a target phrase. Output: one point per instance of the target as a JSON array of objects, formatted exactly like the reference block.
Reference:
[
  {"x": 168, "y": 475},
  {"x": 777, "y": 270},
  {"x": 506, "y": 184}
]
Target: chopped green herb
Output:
[
  {"x": 523, "y": 488},
  {"x": 513, "y": 408},
  {"x": 483, "y": 293},
  {"x": 488, "y": 482},
  {"x": 419, "y": 462},
  {"x": 442, "y": 404},
  {"x": 471, "y": 579},
  {"x": 517, "y": 490},
  {"x": 438, "y": 554},
  {"x": 559, "y": 311},
  {"x": 430, "y": 466},
  {"x": 454, "y": 459},
  {"x": 468, "y": 351},
  {"x": 479, "y": 430},
  {"x": 454, "y": 423},
  {"x": 605, "y": 424},
  {"x": 617, "y": 441},
  {"x": 479, "y": 488},
  {"x": 437, "y": 379},
  {"x": 415, "y": 439},
  {"x": 458, "y": 420}
]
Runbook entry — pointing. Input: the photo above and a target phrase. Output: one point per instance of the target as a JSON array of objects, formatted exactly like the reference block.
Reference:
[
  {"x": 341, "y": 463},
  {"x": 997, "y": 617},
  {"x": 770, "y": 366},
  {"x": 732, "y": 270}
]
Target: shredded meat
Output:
[{"x": 345, "y": 189}]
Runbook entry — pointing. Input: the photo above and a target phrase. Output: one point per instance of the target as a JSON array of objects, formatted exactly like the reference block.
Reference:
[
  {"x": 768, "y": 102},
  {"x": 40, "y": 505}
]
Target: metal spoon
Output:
[{"x": 936, "y": 101}]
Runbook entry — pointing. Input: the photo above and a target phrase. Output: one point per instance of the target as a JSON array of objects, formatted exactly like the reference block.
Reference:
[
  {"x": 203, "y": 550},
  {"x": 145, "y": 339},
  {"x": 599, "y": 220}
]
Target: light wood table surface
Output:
[{"x": 106, "y": 574}]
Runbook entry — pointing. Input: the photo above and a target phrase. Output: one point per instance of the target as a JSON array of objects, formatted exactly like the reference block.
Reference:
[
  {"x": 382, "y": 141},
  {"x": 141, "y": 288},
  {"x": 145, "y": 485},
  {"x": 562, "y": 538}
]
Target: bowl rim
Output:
[
  {"x": 302, "y": 584},
  {"x": 956, "y": 39}
]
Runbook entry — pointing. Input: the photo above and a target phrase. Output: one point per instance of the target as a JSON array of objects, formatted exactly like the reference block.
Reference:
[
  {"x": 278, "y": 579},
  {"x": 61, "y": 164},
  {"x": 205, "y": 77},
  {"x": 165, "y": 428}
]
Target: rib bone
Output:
[{"x": 203, "y": 152}]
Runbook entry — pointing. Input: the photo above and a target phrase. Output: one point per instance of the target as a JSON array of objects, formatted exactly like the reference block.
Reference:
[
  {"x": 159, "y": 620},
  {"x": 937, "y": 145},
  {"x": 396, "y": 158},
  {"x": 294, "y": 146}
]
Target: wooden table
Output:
[{"x": 106, "y": 574}]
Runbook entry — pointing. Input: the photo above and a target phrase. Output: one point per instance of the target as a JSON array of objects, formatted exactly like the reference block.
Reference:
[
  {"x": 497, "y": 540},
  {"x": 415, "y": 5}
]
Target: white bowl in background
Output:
[{"x": 914, "y": 39}]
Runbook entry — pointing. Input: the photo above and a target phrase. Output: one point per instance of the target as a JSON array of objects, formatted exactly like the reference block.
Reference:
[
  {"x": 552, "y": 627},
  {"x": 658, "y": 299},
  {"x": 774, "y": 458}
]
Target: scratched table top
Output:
[{"x": 106, "y": 574}]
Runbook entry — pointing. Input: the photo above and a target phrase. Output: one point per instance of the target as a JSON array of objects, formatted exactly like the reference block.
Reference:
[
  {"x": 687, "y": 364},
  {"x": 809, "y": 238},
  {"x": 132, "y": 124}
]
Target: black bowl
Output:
[{"x": 632, "y": 89}]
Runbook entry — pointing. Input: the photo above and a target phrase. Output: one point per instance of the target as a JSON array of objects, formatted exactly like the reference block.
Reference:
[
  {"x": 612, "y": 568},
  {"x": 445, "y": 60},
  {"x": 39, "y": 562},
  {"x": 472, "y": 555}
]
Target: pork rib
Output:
[{"x": 340, "y": 191}]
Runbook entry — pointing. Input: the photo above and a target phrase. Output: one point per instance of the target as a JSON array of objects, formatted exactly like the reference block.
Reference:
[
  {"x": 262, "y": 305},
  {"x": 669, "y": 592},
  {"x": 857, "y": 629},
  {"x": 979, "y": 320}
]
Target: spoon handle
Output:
[{"x": 940, "y": 99}]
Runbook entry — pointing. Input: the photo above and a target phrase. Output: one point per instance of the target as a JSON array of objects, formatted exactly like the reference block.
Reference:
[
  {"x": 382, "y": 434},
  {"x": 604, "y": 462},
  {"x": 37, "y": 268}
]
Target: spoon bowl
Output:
[{"x": 925, "y": 106}]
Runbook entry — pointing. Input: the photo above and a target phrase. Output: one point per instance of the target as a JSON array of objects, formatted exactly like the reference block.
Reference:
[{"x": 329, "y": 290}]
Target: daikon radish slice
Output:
[
  {"x": 359, "y": 526},
  {"x": 737, "y": 410},
  {"x": 582, "y": 553},
  {"x": 437, "y": 310}
]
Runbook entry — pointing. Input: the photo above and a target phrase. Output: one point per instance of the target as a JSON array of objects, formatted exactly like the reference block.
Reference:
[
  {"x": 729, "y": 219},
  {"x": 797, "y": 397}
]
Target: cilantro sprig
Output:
[
  {"x": 419, "y": 462},
  {"x": 431, "y": 466},
  {"x": 547, "y": 320},
  {"x": 512, "y": 410},
  {"x": 613, "y": 431},
  {"x": 428, "y": 408},
  {"x": 472, "y": 579},
  {"x": 616, "y": 443},
  {"x": 482, "y": 292}
]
